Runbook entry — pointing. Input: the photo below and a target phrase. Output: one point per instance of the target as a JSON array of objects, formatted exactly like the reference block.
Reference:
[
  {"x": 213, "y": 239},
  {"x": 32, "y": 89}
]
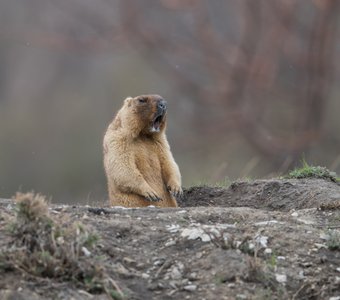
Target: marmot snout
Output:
[{"x": 159, "y": 116}]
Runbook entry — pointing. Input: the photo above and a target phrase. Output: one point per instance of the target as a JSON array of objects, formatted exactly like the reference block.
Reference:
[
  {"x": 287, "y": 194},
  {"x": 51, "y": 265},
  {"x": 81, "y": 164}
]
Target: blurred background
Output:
[{"x": 252, "y": 87}]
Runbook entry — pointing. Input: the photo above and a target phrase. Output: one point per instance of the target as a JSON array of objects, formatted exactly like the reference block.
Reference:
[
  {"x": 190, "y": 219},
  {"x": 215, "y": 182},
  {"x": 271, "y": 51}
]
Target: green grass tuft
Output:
[
  {"x": 308, "y": 171},
  {"x": 333, "y": 242}
]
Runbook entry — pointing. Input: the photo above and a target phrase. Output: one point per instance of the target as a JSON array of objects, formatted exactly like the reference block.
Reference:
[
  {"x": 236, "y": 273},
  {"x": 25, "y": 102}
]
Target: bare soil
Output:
[{"x": 265, "y": 239}]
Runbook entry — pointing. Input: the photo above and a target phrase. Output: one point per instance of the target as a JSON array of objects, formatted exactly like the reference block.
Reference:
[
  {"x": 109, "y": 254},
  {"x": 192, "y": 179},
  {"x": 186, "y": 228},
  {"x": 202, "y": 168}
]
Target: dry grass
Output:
[{"x": 42, "y": 247}]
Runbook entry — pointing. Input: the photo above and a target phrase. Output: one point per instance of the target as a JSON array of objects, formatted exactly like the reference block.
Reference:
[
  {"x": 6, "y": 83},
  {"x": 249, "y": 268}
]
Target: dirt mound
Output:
[
  {"x": 258, "y": 248},
  {"x": 275, "y": 194}
]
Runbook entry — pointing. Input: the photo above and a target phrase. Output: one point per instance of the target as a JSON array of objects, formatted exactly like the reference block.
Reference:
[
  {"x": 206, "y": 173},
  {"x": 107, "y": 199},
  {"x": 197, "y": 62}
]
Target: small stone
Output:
[
  {"x": 294, "y": 214},
  {"x": 160, "y": 285},
  {"x": 196, "y": 233},
  {"x": 173, "y": 284},
  {"x": 145, "y": 276},
  {"x": 281, "y": 258},
  {"x": 324, "y": 236},
  {"x": 170, "y": 243},
  {"x": 158, "y": 262},
  {"x": 241, "y": 296},
  {"x": 173, "y": 228},
  {"x": 281, "y": 278},
  {"x": 180, "y": 265},
  {"x": 238, "y": 244},
  {"x": 306, "y": 264},
  {"x": 121, "y": 270},
  {"x": 306, "y": 221},
  {"x": 335, "y": 298},
  {"x": 251, "y": 246},
  {"x": 129, "y": 260},
  {"x": 60, "y": 240},
  {"x": 319, "y": 246},
  {"x": 268, "y": 251},
  {"x": 171, "y": 293},
  {"x": 323, "y": 259},
  {"x": 85, "y": 251},
  {"x": 262, "y": 240},
  {"x": 190, "y": 287},
  {"x": 266, "y": 223},
  {"x": 193, "y": 276},
  {"x": 338, "y": 269},
  {"x": 175, "y": 273},
  {"x": 166, "y": 277}
]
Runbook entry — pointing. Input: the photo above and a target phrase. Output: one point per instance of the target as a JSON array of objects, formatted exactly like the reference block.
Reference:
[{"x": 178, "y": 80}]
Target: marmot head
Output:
[{"x": 146, "y": 113}]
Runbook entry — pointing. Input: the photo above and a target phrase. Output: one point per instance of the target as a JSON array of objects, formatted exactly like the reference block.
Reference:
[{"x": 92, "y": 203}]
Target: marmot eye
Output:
[{"x": 142, "y": 100}]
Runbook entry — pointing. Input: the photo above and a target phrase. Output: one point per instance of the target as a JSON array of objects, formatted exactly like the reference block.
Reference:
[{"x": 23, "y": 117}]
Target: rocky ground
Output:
[{"x": 264, "y": 239}]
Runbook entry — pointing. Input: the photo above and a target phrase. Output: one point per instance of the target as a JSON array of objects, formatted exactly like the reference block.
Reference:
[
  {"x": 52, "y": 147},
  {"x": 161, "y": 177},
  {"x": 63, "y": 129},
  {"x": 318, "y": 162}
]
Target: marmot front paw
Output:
[
  {"x": 152, "y": 197},
  {"x": 175, "y": 190}
]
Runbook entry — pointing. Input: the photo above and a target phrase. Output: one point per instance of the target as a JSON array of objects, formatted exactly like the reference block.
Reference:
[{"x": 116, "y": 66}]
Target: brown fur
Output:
[{"x": 138, "y": 162}]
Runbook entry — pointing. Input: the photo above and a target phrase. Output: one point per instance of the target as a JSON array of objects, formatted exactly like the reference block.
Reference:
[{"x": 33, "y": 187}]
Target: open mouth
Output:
[{"x": 156, "y": 124}]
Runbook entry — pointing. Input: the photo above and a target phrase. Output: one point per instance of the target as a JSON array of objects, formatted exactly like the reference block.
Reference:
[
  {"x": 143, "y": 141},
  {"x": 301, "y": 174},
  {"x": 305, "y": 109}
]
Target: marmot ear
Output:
[{"x": 128, "y": 101}]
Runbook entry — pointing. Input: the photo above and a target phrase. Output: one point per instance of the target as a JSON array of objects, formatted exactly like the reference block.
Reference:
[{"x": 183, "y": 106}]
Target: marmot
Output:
[{"x": 139, "y": 166}]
